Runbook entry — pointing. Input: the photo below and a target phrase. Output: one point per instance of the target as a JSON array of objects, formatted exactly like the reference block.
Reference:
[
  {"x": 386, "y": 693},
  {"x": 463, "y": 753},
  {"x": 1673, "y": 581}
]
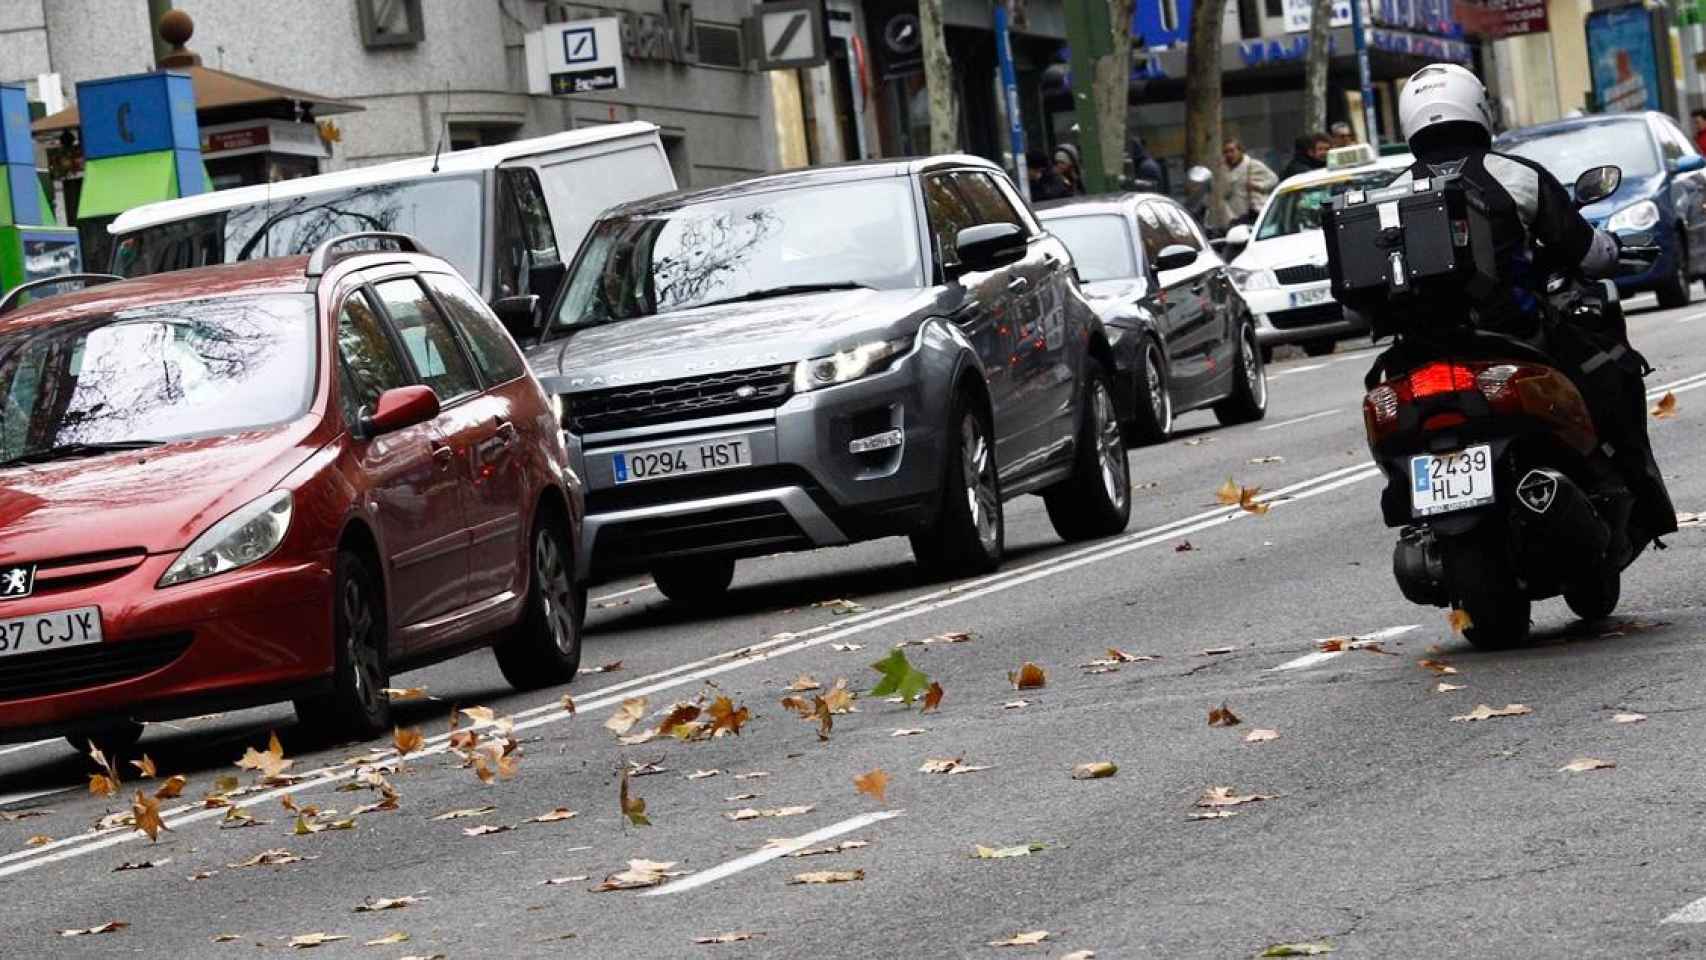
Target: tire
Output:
[
  {"x": 1319, "y": 348},
  {"x": 1096, "y": 500},
  {"x": 1477, "y": 570},
  {"x": 1678, "y": 289},
  {"x": 1249, "y": 400},
  {"x": 695, "y": 582},
  {"x": 1152, "y": 421},
  {"x": 1267, "y": 354},
  {"x": 114, "y": 740},
  {"x": 544, "y": 648},
  {"x": 1597, "y": 598},
  {"x": 969, "y": 535},
  {"x": 356, "y": 707}
]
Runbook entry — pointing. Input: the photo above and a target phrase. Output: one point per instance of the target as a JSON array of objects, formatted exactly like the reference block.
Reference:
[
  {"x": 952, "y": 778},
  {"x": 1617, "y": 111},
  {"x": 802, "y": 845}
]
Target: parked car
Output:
[
  {"x": 1182, "y": 337},
  {"x": 825, "y": 356},
  {"x": 506, "y": 216},
  {"x": 287, "y": 479},
  {"x": 1281, "y": 267},
  {"x": 1662, "y": 200}
]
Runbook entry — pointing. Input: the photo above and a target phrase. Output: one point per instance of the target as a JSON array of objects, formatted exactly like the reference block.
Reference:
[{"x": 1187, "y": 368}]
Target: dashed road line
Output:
[
  {"x": 1296, "y": 420},
  {"x": 1318, "y": 657},
  {"x": 767, "y": 854},
  {"x": 642, "y": 588},
  {"x": 1692, "y": 913}
]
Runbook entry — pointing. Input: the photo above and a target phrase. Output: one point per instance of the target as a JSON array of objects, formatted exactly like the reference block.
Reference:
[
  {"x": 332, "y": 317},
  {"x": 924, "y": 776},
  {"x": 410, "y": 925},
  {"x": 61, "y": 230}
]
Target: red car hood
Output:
[{"x": 158, "y": 499}]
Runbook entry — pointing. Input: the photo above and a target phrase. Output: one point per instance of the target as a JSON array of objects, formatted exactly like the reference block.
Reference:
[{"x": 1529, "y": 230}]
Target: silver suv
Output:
[{"x": 826, "y": 356}]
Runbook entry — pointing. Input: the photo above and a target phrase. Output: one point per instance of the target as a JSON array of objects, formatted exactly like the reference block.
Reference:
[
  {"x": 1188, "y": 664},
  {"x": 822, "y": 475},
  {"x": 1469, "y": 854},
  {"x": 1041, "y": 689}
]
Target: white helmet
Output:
[{"x": 1443, "y": 93}]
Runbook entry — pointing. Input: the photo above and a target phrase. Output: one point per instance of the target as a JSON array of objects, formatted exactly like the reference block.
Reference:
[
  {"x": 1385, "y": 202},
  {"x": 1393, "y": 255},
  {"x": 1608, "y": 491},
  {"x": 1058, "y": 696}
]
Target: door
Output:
[
  {"x": 410, "y": 477},
  {"x": 985, "y": 314},
  {"x": 528, "y": 261},
  {"x": 466, "y": 424},
  {"x": 1191, "y": 336},
  {"x": 1219, "y": 302},
  {"x": 1687, "y": 191}
]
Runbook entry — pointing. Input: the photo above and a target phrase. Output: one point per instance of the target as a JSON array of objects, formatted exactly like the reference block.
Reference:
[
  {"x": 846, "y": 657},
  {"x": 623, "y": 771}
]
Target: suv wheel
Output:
[
  {"x": 1096, "y": 500},
  {"x": 1249, "y": 400},
  {"x": 357, "y": 705},
  {"x": 1154, "y": 417},
  {"x": 694, "y": 582},
  {"x": 544, "y": 648},
  {"x": 970, "y": 530},
  {"x": 1677, "y": 289}
]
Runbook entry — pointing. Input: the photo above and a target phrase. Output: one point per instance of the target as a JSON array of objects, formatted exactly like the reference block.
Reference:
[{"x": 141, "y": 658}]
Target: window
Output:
[
  {"x": 579, "y": 188},
  {"x": 1249, "y": 19},
  {"x": 949, "y": 214},
  {"x": 525, "y": 241},
  {"x": 494, "y": 352},
  {"x": 390, "y": 23},
  {"x": 986, "y": 199},
  {"x": 1671, "y": 146},
  {"x": 368, "y": 364},
  {"x": 1686, "y": 142},
  {"x": 427, "y": 338},
  {"x": 1179, "y": 228},
  {"x": 1153, "y": 228}
]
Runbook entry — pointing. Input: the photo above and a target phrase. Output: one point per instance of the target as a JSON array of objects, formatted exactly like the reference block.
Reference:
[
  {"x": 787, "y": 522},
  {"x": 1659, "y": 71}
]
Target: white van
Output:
[{"x": 507, "y": 216}]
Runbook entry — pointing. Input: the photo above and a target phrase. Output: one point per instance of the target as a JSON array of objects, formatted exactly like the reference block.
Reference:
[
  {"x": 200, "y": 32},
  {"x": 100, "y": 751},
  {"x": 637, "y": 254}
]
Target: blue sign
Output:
[
  {"x": 1623, "y": 59},
  {"x": 1162, "y": 23},
  {"x": 17, "y": 151},
  {"x": 141, "y": 113}
]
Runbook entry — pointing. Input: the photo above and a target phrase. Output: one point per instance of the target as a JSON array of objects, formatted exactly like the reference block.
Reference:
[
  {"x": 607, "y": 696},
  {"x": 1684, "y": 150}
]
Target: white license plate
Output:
[
  {"x": 50, "y": 631},
  {"x": 1451, "y": 481},
  {"x": 1309, "y": 298},
  {"x": 679, "y": 461}
]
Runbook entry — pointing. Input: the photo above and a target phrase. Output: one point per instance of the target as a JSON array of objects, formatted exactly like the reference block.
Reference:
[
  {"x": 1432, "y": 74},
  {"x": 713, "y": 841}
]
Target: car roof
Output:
[
  {"x": 1394, "y": 162},
  {"x": 455, "y": 163},
  {"x": 807, "y": 176},
  {"x": 1573, "y": 123},
  {"x": 1115, "y": 203}
]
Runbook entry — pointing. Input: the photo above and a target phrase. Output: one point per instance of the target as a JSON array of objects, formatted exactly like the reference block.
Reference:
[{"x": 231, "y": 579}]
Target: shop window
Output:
[{"x": 1249, "y": 19}]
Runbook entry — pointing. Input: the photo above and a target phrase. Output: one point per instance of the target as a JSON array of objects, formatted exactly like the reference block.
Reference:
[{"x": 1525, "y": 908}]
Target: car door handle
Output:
[
  {"x": 443, "y": 455},
  {"x": 506, "y": 432},
  {"x": 1018, "y": 285}
]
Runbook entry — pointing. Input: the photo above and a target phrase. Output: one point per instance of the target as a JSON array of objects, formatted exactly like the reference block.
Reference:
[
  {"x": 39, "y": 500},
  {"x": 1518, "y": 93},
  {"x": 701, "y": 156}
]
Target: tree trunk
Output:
[
  {"x": 1110, "y": 90},
  {"x": 1315, "y": 68},
  {"x": 1202, "y": 100},
  {"x": 939, "y": 80}
]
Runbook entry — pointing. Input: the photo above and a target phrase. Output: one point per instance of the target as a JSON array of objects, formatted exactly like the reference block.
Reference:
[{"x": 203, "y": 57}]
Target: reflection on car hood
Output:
[
  {"x": 1633, "y": 190},
  {"x": 1308, "y": 246},
  {"x": 1123, "y": 288},
  {"x": 158, "y": 498},
  {"x": 730, "y": 336}
]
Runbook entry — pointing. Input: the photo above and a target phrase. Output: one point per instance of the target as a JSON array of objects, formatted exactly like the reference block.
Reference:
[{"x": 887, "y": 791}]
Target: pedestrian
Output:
[
  {"x": 1147, "y": 169},
  {"x": 1248, "y": 182},
  {"x": 1045, "y": 183},
  {"x": 1066, "y": 165},
  {"x": 1699, "y": 118},
  {"x": 1341, "y": 134},
  {"x": 1309, "y": 152}
]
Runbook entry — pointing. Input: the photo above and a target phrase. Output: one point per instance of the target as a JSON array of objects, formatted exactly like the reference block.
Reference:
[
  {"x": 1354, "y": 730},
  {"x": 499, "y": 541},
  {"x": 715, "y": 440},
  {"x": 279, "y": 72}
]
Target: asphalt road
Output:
[{"x": 1391, "y": 830}]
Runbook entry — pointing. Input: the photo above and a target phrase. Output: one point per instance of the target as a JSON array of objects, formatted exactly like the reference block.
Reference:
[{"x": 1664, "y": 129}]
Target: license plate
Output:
[
  {"x": 679, "y": 461},
  {"x": 50, "y": 631},
  {"x": 1309, "y": 298},
  {"x": 1451, "y": 481}
]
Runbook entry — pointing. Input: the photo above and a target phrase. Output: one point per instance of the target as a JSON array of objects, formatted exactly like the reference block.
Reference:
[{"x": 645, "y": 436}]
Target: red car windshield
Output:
[{"x": 190, "y": 369}]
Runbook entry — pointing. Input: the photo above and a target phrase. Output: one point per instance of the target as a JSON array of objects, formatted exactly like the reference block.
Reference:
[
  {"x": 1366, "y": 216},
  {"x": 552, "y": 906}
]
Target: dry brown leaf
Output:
[
  {"x": 630, "y": 713},
  {"x": 948, "y": 765},
  {"x": 1249, "y": 504},
  {"x": 1439, "y": 667},
  {"x": 846, "y": 647},
  {"x": 1225, "y": 797},
  {"x": 1211, "y": 814},
  {"x": 874, "y": 784},
  {"x": 7, "y": 816},
  {"x": 736, "y": 937},
  {"x": 752, "y": 775},
  {"x": 270, "y": 858},
  {"x": 1094, "y": 771},
  {"x": 841, "y": 847},
  {"x": 1459, "y": 620},
  {"x": 1028, "y": 939},
  {"x": 981, "y": 852},
  {"x": 486, "y": 829},
  {"x": 1666, "y": 407},
  {"x": 141, "y": 865},
  {"x": 1029, "y": 676},
  {"x": 748, "y": 813},
  {"x": 702, "y": 774},
  {"x": 640, "y": 873},
  {"x": 407, "y": 741},
  {"x": 173, "y": 786},
  {"x": 1584, "y": 764},
  {"x": 465, "y": 812},
  {"x": 224, "y": 938},
  {"x": 1628, "y": 718},
  {"x": 1260, "y": 735},
  {"x": 404, "y": 694},
  {"x": 1443, "y": 687},
  {"x": 479, "y": 715},
  {"x": 388, "y": 940},
  {"x": 827, "y": 876},
  {"x": 304, "y": 941},
  {"x": 610, "y": 667},
  {"x": 146, "y": 766},
  {"x": 109, "y": 927},
  {"x": 562, "y": 881},
  {"x": 104, "y": 784},
  {"x": 569, "y": 704},
  {"x": 725, "y": 718},
  {"x": 1484, "y": 712},
  {"x": 740, "y": 798},
  {"x": 932, "y": 698},
  {"x": 270, "y": 764},
  {"x": 633, "y": 808},
  {"x": 146, "y": 811},
  {"x": 1222, "y": 716},
  {"x": 1015, "y": 704},
  {"x": 1120, "y": 656},
  {"x": 1080, "y": 955},
  {"x": 374, "y": 905},
  {"x": 1228, "y": 493},
  {"x": 908, "y": 732},
  {"x": 39, "y": 840},
  {"x": 803, "y": 683},
  {"x": 839, "y": 699}
]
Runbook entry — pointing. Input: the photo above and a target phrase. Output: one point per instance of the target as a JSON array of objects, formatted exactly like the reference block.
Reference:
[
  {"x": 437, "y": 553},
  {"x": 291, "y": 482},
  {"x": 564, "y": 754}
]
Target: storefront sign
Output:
[
  {"x": 1623, "y": 59},
  {"x": 1299, "y": 13},
  {"x": 1418, "y": 16},
  {"x": 580, "y": 56},
  {"x": 1497, "y": 19},
  {"x": 263, "y": 136},
  {"x": 896, "y": 40}
]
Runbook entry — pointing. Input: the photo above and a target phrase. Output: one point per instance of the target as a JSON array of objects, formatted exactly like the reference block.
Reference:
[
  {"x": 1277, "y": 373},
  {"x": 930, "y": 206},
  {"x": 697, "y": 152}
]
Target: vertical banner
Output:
[
  {"x": 1623, "y": 59},
  {"x": 1010, "y": 95}
]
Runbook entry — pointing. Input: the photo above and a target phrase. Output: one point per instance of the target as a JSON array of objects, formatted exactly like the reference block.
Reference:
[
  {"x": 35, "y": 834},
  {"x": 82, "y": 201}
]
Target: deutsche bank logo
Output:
[{"x": 580, "y": 46}]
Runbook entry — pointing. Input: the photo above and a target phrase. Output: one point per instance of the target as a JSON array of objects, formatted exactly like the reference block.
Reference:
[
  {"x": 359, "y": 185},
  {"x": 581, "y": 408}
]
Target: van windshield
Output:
[{"x": 445, "y": 214}]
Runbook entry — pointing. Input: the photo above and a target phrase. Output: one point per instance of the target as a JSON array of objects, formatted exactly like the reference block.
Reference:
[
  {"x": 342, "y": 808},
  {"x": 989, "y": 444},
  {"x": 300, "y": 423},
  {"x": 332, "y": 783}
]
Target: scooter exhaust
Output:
[{"x": 1558, "y": 518}]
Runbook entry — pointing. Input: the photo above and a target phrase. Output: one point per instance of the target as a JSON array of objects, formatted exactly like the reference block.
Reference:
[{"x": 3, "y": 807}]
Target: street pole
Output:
[
  {"x": 1089, "y": 36},
  {"x": 1359, "y": 30},
  {"x": 1010, "y": 93}
]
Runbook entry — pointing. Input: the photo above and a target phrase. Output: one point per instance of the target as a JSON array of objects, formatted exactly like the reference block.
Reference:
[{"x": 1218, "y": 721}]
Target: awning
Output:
[
  {"x": 218, "y": 90},
  {"x": 112, "y": 185}
]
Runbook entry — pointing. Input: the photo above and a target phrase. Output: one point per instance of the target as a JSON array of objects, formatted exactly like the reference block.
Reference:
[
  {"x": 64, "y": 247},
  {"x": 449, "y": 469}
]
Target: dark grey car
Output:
[{"x": 826, "y": 356}]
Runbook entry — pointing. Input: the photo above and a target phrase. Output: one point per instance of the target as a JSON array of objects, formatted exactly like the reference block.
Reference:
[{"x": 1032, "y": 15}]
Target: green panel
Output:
[
  {"x": 5, "y": 202},
  {"x": 11, "y": 256},
  {"x": 112, "y": 185},
  {"x": 50, "y": 220}
]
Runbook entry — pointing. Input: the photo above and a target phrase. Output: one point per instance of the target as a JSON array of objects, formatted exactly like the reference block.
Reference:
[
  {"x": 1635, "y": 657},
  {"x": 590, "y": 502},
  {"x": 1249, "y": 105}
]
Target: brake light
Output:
[
  {"x": 1437, "y": 378},
  {"x": 1510, "y": 389}
]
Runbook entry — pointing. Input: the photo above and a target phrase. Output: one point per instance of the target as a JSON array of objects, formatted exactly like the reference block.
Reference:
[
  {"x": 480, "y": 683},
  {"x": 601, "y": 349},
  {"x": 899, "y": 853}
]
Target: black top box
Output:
[{"x": 1411, "y": 244}]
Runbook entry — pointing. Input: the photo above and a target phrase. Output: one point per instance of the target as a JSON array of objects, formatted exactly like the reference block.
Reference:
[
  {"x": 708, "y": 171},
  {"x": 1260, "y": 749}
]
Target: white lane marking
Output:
[
  {"x": 11, "y": 798},
  {"x": 782, "y": 645},
  {"x": 1693, "y": 913},
  {"x": 19, "y": 748},
  {"x": 1682, "y": 389},
  {"x": 1288, "y": 371},
  {"x": 768, "y": 854},
  {"x": 642, "y": 588},
  {"x": 1322, "y": 656},
  {"x": 1692, "y": 316},
  {"x": 1661, "y": 388},
  {"x": 1295, "y": 420}
]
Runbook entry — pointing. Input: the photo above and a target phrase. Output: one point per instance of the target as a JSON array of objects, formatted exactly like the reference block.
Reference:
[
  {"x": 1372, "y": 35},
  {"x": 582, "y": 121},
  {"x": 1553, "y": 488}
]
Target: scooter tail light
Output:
[
  {"x": 1437, "y": 378},
  {"x": 1380, "y": 413}
]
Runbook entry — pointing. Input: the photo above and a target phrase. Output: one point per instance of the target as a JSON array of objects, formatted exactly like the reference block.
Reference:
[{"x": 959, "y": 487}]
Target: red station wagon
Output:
[{"x": 283, "y": 479}]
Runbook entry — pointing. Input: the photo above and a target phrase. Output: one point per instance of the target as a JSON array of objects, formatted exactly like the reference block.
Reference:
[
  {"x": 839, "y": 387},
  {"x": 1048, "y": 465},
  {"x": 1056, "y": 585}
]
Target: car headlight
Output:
[
  {"x": 850, "y": 364},
  {"x": 1260, "y": 279},
  {"x": 246, "y": 535},
  {"x": 1635, "y": 217}
]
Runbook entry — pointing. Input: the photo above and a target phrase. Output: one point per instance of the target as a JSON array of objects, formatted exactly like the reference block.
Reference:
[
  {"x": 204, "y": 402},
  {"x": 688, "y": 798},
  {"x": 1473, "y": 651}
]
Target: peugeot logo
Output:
[
  {"x": 17, "y": 582},
  {"x": 746, "y": 393}
]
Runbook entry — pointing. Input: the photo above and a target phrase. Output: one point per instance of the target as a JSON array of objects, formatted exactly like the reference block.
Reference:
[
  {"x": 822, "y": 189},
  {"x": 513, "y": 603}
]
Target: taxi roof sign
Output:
[{"x": 1355, "y": 155}]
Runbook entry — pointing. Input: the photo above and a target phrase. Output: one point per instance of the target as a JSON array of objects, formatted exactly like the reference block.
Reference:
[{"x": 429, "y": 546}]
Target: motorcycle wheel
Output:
[
  {"x": 1482, "y": 585},
  {"x": 1595, "y": 598}
]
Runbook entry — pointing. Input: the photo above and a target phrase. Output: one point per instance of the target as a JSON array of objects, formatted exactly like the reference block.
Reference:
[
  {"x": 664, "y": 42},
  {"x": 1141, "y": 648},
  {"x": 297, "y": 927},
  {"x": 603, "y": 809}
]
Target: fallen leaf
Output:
[
  {"x": 39, "y": 840},
  {"x": 1439, "y": 667},
  {"x": 874, "y": 784},
  {"x": 1216, "y": 651},
  {"x": 1222, "y": 716},
  {"x": 404, "y": 694},
  {"x": 828, "y": 876},
  {"x": 1015, "y": 704},
  {"x": 203, "y": 874},
  {"x": 740, "y": 798},
  {"x": 752, "y": 775},
  {"x": 1227, "y": 494},
  {"x": 1094, "y": 771},
  {"x": 932, "y": 698},
  {"x": 269, "y": 858},
  {"x": 1249, "y": 504},
  {"x": 1459, "y": 620},
  {"x": 1297, "y": 950},
  {"x": 1260, "y": 735},
  {"x": 839, "y": 699},
  {"x": 1028, "y": 939},
  {"x": 804, "y": 682},
  {"x": 1628, "y": 718},
  {"x": 846, "y": 647},
  {"x": 7, "y": 816},
  {"x": 633, "y": 808},
  {"x": 104, "y": 784},
  {"x": 173, "y": 786},
  {"x": 108, "y": 927},
  {"x": 1585, "y": 764},
  {"x": 1028, "y": 677},
  {"x": 702, "y": 774},
  {"x": 304, "y": 941},
  {"x": 1006, "y": 853},
  {"x": 630, "y": 713},
  {"x": 237, "y": 817},
  {"x": 146, "y": 766},
  {"x": 146, "y": 810},
  {"x": 1183, "y": 546},
  {"x": 838, "y": 607},
  {"x": 1666, "y": 407},
  {"x": 1443, "y": 687},
  {"x": 610, "y": 667},
  {"x": 1211, "y": 814},
  {"x": 407, "y": 741},
  {"x": 465, "y": 812},
  {"x": 725, "y": 718},
  {"x": 388, "y": 940},
  {"x": 1225, "y": 797},
  {"x": 562, "y": 881},
  {"x": 1261, "y": 460},
  {"x": 224, "y": 938},
  {"x": 908, "y": 732},
  {"x": 727, "y": 937},
  {"x": 1484, "y": 712},
  {"x": 559, "y": 814},
  {"x": 900, "y": 677},
  {"x": 640, "y": 873},
  {"x": 141, "y": 865},
  {"x": 372, "y": 905},
  {"x": 569, "y": 704},
  {"x": 486, "y": 829},
  {"x": 841, "y": 847},
  {"x": 748, "y": 813},
  {"x": 949, "y": 766}
]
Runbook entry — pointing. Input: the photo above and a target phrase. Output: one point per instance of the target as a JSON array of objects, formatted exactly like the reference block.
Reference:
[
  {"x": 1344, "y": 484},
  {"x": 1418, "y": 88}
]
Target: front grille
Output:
[
  {"x": 91, "y": 665},
  {"x": 1306, "y": 316},
  {"x": 689, "y": 398},
  {"x": 746, "y": 529},
  {"x": 86, "y": 569},
  {"x": 1302, "y": 273}
]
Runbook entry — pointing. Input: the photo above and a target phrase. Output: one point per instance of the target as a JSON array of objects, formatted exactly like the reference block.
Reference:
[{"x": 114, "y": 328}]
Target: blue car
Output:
[{"x": 1663, "y": 197}]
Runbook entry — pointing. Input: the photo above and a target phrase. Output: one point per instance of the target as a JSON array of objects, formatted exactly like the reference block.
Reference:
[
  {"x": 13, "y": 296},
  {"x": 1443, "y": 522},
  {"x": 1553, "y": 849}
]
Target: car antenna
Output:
[{"x": 443, "y": 124}]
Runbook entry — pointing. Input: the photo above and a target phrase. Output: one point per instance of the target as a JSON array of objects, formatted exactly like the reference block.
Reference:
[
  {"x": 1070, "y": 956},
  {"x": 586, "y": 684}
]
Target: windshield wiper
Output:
[
  {"x": 787, "y": 290},
  {"x": 66, "y": 451}
]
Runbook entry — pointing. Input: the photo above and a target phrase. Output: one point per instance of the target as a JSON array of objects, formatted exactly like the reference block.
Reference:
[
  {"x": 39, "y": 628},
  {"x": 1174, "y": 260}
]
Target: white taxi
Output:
[{"x": 1282, "y": 271}]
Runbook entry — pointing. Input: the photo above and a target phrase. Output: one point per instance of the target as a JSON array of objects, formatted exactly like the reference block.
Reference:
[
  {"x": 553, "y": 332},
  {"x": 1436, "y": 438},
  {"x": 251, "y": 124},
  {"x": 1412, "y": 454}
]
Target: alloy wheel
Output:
[
  {"x": 1110, "y": 450},
  {"x": 1160, "y": 399},
  {"x": 556, "y": 593},
  {"x": 363, "y": 647},
  {"x": 978, "y": 469},
  {"x": 1254, "y": 377}
]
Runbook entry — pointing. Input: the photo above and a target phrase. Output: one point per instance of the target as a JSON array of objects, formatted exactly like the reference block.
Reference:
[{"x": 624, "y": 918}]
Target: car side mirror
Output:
[
  {"x": 1238, "y": 236},
  {"x": 518, "y": 314},
  {"x": 1175, "y": 256},
  {"x": 1688, "y": 163},
  {"x": 1597, "y": 183},
  {"x": 988, "y": 246},
  {"x": 400, "y": 407}
]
